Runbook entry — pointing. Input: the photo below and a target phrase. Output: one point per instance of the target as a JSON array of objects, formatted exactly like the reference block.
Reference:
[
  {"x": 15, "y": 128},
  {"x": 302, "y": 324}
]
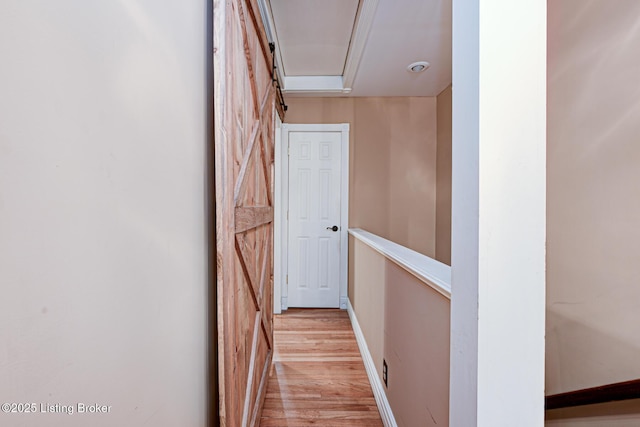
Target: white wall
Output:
[
  {"x": 102, "y": 210},
  {"x": 498, "y": 213}
]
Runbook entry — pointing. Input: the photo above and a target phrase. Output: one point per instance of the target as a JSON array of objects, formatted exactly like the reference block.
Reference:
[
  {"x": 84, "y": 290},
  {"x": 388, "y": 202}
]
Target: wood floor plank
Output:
[{"x": 317, "y": 377}]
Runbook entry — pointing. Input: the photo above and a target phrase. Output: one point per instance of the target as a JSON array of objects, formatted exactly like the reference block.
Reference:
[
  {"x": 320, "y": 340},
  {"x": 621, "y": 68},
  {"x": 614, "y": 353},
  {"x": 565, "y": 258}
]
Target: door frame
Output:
[{"x": 281, "y": 222}]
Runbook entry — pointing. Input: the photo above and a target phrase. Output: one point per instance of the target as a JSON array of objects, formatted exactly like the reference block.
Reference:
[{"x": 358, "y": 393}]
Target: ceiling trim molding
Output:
[
  {"x": 358, "y": 41},
  {"x": 314, "y": 84}
]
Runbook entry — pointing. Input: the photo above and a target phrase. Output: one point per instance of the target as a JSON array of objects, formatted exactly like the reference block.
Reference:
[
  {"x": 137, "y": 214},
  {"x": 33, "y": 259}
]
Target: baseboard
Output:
[
  {"x": 626, "y": 390},
  {"x": 376, "y": 385}
]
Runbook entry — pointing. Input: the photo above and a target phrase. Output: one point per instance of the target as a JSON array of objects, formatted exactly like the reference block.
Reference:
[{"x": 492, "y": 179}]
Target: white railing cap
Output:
[{"x": 433, "y": 273}]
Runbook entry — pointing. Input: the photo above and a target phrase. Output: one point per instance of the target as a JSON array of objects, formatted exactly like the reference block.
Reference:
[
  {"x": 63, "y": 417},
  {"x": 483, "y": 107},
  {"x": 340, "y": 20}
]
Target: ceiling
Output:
[{"x": 360, "y": 47}]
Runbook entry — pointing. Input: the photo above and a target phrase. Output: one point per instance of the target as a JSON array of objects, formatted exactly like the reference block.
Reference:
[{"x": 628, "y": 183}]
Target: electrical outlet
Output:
[{"x": 385, "y": 372}]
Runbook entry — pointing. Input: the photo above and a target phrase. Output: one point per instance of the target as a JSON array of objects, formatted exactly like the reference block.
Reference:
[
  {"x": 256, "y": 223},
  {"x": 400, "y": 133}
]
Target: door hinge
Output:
[
  {"x": 288, "y": 150},
  {"x": 287, "y": 214},
  {"x": 287, "y": 279}
]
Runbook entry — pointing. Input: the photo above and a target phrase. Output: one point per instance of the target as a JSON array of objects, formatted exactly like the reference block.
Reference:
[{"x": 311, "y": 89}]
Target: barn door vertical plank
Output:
[{"x": 224, "y": 259}]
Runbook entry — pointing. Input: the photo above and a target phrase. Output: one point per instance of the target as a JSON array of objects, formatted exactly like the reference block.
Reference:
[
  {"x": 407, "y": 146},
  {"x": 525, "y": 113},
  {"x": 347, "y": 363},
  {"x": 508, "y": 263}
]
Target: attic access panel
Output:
[{"x": 314, "y": 35}]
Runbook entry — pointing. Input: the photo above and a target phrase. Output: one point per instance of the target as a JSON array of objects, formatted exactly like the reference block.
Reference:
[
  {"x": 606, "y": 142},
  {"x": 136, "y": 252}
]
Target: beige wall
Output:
[
  {"x": 103, "y": 257},
  {"x": 593, "y": 190},
  {"x": 443, "y": 178},
  {"x": 392, "y": 163},
  {"x": 406, "y": 323}
]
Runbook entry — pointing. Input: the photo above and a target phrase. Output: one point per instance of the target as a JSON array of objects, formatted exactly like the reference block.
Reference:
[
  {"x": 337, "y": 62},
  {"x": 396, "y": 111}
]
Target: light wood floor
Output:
[{"x": 318, "y": 377}]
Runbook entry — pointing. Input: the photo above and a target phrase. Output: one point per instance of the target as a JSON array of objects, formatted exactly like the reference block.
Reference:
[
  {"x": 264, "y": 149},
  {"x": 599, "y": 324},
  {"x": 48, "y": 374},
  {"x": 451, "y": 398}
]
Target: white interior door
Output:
[{"x": 314, "y": 241}]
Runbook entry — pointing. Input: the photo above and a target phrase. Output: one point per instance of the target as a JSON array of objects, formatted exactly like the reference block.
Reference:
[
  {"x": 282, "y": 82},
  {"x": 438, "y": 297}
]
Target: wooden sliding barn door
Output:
[{"x": 244, "y": 152}]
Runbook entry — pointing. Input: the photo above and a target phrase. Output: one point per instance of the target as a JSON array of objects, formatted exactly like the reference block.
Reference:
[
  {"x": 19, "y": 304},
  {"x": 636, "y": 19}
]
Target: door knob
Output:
[{"x": 334, "y": 228}]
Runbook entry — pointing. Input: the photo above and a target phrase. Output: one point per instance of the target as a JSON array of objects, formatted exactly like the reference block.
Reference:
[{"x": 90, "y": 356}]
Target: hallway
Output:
[{"x": 317, "y": 377}]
